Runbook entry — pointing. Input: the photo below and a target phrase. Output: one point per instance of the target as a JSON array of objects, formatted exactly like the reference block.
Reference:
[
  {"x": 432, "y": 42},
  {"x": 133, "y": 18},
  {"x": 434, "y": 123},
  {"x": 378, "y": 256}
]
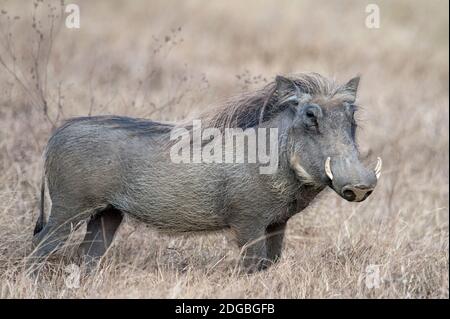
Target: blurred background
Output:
[{"x": 168, "y": 60}]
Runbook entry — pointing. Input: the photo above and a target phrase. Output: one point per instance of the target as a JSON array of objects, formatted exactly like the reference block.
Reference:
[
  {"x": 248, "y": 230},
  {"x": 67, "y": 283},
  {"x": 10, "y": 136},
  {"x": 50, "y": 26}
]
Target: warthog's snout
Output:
[{"x": 350, "y": 179}]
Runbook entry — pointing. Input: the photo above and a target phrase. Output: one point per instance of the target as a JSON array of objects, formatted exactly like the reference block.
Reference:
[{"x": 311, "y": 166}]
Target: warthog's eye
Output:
[
  {"x": 311, "y": 115},
  {"x": 312, "y": 119}
]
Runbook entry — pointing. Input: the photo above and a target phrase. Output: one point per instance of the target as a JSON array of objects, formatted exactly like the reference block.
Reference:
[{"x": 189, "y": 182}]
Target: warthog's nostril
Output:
[
  {"x": 356, "y": 193},
  {"x": 349, "y": 195}
]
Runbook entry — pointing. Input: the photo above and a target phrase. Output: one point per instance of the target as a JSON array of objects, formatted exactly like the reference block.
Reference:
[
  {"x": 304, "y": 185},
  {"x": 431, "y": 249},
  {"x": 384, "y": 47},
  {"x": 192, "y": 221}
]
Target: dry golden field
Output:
[{"x": 166, "y": 60}]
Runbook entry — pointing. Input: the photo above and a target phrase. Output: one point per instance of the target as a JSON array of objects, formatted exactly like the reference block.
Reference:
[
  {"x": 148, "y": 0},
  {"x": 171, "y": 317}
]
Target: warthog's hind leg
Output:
[
  {"x": 53, "y": 235},
  {"x": 100, "y": 232}
]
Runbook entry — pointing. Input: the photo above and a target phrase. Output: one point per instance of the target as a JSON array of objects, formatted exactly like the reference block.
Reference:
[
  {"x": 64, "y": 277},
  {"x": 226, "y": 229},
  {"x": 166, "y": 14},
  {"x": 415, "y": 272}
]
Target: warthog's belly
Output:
[
  {"x": 180, "y": 221},
  {"x": 173, "y": 209}
]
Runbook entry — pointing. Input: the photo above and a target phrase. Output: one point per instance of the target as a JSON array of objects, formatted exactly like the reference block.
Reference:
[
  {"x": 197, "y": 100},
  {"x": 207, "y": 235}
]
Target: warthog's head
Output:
[{"x": 321, "y": 135}]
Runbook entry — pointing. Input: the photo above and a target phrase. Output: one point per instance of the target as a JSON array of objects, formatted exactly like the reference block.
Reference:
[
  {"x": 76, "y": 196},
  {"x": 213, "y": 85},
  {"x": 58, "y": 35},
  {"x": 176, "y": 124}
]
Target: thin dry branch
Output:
[{"x": 36, "y": 54}]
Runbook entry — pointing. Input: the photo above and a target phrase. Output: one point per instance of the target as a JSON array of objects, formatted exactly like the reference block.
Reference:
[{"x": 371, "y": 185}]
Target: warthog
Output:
[{"x": 104, "y": 167}]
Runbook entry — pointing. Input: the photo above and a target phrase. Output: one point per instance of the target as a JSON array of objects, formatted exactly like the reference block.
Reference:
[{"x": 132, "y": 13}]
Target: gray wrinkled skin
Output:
[{"x": 100, "y": 168}]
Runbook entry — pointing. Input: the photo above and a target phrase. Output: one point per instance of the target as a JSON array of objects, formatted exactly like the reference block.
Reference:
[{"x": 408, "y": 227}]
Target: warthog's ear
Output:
[
  {"x": 352, "y": 86},
  {"x": 285, "y": 85},
  {"x": 287, "y": 91}
]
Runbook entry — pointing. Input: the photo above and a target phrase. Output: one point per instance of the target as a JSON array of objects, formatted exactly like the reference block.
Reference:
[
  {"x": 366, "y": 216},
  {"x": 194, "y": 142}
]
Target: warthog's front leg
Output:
[
  {"x": 274, "y": 243},
  {"x": 252, "y": 241},
  {"x": 100, "y": 232}
]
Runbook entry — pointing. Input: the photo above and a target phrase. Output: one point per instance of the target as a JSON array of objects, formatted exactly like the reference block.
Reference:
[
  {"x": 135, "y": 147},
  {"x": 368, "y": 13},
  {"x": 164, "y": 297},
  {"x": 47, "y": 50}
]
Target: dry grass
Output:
[{"x": 132, "y": 60}]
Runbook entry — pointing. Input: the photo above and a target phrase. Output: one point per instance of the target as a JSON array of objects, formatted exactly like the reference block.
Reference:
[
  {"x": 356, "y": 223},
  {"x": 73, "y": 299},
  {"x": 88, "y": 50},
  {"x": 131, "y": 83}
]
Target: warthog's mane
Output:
[{"x": 252, "y": 108}]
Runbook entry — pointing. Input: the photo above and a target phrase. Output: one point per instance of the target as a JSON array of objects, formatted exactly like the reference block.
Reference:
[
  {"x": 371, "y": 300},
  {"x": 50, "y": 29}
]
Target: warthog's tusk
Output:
[
  {"x": 378, "y": 167},
  {"x": 328, "y": 168}
]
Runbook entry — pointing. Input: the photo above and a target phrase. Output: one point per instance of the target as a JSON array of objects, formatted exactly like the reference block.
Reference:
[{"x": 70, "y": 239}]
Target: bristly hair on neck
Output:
[{"x": 252, "y": 108}]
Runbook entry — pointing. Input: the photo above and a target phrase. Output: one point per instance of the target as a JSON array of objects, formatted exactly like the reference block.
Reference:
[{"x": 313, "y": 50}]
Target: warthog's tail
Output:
[{"x": 41, "y": 219}]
